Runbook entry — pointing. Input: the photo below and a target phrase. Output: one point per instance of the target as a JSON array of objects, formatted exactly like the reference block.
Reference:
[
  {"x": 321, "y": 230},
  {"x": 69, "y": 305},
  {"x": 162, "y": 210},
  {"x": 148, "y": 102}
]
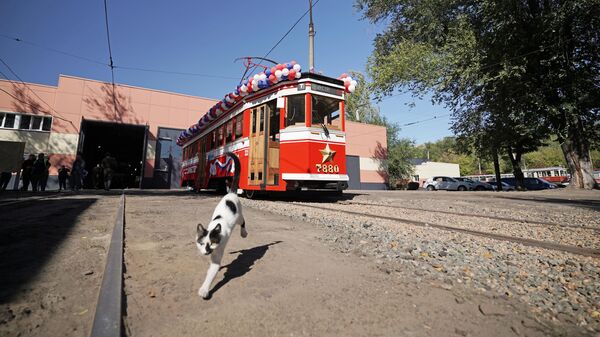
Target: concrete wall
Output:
[
  {"x": 369, "y": 143},
  {"x": 76, "y": 98}
]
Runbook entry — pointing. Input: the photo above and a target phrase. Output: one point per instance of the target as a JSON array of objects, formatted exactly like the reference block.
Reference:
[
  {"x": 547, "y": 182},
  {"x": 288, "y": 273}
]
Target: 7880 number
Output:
[{"x": 327, "y": 168}]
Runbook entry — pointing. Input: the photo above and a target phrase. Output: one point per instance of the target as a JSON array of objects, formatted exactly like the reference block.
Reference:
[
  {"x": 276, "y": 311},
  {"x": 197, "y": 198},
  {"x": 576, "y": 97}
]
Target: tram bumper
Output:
[{"x": 316, "y": 183}]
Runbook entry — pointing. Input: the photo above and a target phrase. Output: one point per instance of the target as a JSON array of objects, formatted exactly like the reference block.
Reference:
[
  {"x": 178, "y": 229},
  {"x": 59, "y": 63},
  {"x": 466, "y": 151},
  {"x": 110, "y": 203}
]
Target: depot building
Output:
[{"x": 137, "y": 126}]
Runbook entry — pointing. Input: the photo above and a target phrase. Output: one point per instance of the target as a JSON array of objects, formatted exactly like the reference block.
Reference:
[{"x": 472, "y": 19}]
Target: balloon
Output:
[
  {"x": 245, "y": 82},
  {"x": 268, "y": 72},
  {"x": 293, "y": 63},
  {"x": 273, "y": 70},
  {"x": 262, "y": 77},
  {"x": 285, "y": 72},
  {"x": 298, "y": 74},
  {"x": 344, "y": 75},
  {"x": 278, "y": 74},
  {"x": 292, "y": 74},
  {"x": 256, "y": 76},
  {"x": 351, "y": 88},
  {"x": 244, "y": 88},
  {"x": 297, "y": 67},
  {"x": 353, "y": 82},
  {"x": 272, "y": 78},
  {"x": 289, "y": 66},
  {"x": 279, "y": 66}
]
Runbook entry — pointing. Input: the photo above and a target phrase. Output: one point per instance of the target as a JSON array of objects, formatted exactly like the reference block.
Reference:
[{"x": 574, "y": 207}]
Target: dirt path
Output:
[
  {"x": 282, "y": 280},
  {"x": 52, "y": 256}
]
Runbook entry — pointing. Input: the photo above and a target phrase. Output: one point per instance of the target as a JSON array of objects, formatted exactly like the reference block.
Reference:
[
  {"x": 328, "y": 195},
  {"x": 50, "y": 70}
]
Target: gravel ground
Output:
[{"x": 559, "y": 286}]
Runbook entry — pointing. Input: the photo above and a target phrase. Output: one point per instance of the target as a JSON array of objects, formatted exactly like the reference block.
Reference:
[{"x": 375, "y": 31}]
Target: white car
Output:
[{"x": 444, "y": 183}]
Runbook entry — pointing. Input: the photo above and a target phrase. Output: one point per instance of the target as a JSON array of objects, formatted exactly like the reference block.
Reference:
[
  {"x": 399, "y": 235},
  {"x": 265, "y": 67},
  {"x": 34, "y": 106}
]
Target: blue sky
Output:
[{"x": 202, "y": 37}]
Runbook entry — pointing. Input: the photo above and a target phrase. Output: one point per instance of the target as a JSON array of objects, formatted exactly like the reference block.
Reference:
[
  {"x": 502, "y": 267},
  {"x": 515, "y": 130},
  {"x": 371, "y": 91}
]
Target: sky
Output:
[{"x": 199, "y": 37}]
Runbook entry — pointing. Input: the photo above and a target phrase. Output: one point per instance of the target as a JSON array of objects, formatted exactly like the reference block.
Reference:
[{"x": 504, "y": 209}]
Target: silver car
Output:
[
  {"x": 474, "y": 185},
  {"x": 444, "y": 183}
]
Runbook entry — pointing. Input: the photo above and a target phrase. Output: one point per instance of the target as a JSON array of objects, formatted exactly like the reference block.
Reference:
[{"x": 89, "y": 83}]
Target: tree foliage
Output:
[{"x": 513, "y": 72}]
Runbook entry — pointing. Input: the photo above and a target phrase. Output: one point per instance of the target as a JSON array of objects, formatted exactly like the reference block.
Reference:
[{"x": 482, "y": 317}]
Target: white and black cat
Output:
[{"x": 213, "y": 239}]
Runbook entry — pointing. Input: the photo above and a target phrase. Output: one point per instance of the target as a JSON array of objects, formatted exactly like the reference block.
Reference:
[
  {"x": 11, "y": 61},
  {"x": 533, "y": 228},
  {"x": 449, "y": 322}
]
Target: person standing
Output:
[
  {"x": 97, "y": 176},
  {"x": 27, "y": 167},
  {"x": 38, "y": 172},
  {"x": 109, "y": 164},
  {"x": 77, "y": 173},
  {"x": 63, "y": 175}
]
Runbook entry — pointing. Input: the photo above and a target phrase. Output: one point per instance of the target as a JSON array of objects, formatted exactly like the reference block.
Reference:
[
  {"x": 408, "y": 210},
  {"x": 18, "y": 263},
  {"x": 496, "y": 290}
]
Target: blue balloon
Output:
[
  {"x": 289, "y": 65},
  {"x": 245, "y": 82},
  {"x": 268, "y": 72}
]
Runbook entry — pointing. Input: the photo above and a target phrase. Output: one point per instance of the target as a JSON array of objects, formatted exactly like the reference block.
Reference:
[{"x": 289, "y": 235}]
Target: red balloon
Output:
[
  {"x": 292, "y": 74},
  {"x": 344, "y": 75},
  {"x": 272, "y": 78},
  {"x": 273, "y": 70},
  {"x": 279, "y": 66}
]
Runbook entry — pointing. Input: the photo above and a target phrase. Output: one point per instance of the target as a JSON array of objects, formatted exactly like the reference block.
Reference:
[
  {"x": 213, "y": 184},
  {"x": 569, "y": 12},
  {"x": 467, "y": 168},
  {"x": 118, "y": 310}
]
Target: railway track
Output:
[
  {"x": 595, "y": 253},
  {"x": 527, "y": 221}
]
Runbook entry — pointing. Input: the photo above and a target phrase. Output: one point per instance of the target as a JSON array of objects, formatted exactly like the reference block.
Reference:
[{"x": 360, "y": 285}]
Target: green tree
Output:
[{"x": 511, "y": 71}]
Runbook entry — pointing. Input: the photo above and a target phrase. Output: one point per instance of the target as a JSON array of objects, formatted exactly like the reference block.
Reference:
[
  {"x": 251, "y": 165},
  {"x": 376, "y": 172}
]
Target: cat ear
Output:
[
  {"x": 217, "y": 228},
  {"x": 200, "y": 228}
]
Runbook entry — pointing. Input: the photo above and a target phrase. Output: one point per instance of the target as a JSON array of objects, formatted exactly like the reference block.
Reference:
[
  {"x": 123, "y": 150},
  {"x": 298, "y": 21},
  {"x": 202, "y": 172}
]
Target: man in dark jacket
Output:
[
  {"x": 39, "y": 173},
  {"x": 109, "y": 164},
  {"x": 63, "y": 174},
  {"x": 27, "y": 166}
]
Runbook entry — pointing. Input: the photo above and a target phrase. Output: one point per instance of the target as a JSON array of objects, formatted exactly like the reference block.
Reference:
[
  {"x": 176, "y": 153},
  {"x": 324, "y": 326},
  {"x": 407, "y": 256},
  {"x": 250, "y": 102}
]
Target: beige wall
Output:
[
  {"x": 77, "y": 98},
  {"x": 369, "y": 143},
  {"x": 429, "y": 169}
]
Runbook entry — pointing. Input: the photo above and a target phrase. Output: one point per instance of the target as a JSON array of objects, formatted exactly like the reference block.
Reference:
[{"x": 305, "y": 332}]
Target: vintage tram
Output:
[{"x": 286, "y": 127}]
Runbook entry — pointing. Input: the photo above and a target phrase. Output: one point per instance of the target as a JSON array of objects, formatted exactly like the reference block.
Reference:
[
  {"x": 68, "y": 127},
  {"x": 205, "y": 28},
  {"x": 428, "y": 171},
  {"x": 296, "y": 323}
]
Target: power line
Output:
[
  {"x": 285, "y": 35},
  {"x": 27, "y": 86},
  {"x": 111, "y": 64},
  {"x": 83, "y": 58},
  {"x": 425, "y": 120}
]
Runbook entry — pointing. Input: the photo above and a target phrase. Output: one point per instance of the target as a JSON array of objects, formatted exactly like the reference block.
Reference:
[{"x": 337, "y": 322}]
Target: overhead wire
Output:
[
  {"x": 111, "y": 64},
  {"x": 285, "y": 35},
  {"x": 27, "y": 86}
]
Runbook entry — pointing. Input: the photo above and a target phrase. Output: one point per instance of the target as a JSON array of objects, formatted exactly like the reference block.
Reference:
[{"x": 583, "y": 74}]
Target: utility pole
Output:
[{"x": 311, "y": 41}]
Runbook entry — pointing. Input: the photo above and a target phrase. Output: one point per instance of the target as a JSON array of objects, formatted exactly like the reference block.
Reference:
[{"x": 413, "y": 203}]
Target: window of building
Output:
[
  {"x": 326, "y": 110},
  {"x": 25, "y": 122},
  {"x": 295, "y": 111},
  {"x": 219, "y": 137}
]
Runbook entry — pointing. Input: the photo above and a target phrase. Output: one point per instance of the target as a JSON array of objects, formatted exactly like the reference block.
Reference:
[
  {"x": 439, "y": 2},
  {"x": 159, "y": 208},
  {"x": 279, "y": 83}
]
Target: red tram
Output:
[{"x": 287, "y": 128}]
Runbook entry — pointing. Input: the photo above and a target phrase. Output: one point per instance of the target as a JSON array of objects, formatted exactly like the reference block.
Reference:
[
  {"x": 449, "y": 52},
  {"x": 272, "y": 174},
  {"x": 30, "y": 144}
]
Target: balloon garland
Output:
[{"x": 271, "y": 76}]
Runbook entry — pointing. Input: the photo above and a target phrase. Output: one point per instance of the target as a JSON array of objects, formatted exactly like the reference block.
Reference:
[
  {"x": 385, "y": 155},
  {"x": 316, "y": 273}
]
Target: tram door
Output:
[
  {"x": 201, "y": 167},
  {"x": 264, "y": 145}
]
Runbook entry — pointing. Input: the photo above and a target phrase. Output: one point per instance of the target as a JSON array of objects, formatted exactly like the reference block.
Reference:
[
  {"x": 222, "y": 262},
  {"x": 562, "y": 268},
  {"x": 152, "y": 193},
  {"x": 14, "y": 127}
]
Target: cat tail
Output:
[{"x": 235, "y": 183}]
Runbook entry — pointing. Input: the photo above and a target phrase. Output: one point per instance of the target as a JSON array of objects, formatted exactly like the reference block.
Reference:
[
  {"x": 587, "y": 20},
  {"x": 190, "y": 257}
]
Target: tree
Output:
[{"x": 511, "y": 71}]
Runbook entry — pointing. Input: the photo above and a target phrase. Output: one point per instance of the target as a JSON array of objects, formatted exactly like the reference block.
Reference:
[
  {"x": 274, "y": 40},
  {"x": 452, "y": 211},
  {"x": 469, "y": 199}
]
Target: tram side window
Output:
[
  {"x": 325, "y": 110},
  {"x": 295, "y": 111},
  {"x": 229, "y": 132},
  {"x": 239, "y": 126},
  {"x": 219, "y": 136},
  {"x": 273, "y": 120}
]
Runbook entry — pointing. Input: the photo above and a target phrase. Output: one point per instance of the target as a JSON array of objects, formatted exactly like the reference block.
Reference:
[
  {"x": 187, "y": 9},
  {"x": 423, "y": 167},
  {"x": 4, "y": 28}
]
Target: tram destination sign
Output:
[{"x": 321, "y": 88}]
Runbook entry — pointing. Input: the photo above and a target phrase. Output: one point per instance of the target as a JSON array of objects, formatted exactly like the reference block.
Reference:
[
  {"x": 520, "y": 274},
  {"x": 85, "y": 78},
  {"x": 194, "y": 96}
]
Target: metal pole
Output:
[{"x": 311, "y": 41}]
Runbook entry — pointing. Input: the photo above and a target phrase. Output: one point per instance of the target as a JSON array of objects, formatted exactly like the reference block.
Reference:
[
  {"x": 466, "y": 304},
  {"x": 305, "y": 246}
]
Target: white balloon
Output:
[
  {"x": 298, "y": 74},
  {"x": 243, "y": 88},
  {"x": 351, "y": 88},
  {"x": 285, "y": 72},
  {"x": 297, "y": 67},
  {"x": 278, "y": 73},
  {"x": 255, "y": 76},
  {"x": 263, "y": 77},
  {"x": 353, "y": 82}
]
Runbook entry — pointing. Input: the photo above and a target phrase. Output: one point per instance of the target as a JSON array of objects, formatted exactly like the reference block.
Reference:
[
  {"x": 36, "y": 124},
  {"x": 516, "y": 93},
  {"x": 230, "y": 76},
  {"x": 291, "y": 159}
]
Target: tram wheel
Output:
[{"x": 250, "y": 194}]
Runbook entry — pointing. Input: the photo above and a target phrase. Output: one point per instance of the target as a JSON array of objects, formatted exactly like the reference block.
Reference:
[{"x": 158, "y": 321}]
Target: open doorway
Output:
[{"x": 125, "y": 142}]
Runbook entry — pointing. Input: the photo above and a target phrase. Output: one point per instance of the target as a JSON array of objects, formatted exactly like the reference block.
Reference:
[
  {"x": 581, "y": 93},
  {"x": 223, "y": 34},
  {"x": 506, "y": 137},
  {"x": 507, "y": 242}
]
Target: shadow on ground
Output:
[
  {"x": 30, "y": 235},
  {"x": 242, "y": 264}
]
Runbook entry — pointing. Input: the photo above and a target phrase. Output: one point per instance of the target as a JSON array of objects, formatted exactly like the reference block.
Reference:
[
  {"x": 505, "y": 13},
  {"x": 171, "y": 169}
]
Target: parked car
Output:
[
  {"x": 505, "y": 187},
  {"x": 444, "y": 183},
  {"x": 532, "y": 184},
  {"x": 474, "y": 185}
]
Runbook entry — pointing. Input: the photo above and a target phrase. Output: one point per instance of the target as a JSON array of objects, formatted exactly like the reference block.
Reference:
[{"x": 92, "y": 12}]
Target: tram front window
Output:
[
  {"x": 326, "y": 110},
  {"x": 295, "y": 111}
]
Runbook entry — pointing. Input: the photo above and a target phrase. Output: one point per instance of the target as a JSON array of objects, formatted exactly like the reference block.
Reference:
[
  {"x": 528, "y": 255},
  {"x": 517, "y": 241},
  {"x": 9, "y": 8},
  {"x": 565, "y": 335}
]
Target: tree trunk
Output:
[
  {"x": 497, "y": 171},
  {"x": 516, "y": 164},
  {"x": 577, "y": 155}
]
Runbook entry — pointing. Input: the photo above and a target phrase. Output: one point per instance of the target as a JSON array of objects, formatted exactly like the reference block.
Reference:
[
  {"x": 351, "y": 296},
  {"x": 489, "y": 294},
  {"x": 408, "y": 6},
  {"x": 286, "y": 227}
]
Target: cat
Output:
[{"x": 212, "y": 240}]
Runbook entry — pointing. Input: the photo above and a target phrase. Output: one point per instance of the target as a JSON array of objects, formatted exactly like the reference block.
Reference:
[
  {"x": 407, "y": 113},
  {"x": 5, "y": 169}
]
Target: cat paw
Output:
[
  {"x": 243, "y": 232},
  {"x": 203, "y": 293}
]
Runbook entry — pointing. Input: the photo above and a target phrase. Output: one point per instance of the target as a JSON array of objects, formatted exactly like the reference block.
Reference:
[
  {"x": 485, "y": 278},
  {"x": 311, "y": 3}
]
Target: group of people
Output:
[{"x": 35, "y": 171}]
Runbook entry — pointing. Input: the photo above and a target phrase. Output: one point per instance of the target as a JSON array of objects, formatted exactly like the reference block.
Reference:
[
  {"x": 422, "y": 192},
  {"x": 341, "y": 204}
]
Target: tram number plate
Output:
[{"x": 322, "y": 168}]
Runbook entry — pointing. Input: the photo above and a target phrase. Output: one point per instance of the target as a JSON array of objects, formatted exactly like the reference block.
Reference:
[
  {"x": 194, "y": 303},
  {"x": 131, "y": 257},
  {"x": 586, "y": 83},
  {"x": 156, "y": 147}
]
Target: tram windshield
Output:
[{"x": 326, "y": 110}]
